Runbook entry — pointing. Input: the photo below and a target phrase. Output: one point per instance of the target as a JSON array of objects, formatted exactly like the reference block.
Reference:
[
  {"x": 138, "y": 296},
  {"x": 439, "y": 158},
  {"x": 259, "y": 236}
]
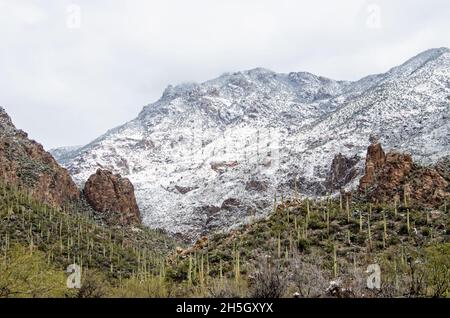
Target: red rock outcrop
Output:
[
  {"x": 200, "y": 244},
  {"x": 375, "y": 160},
  {"x": 112, "y": 196},
  {"x": 396, "y": 175},
  {"x": 25, "y": 163},
  {"x": 395, "y": 171},
  {"x": 429, "y": 185}
]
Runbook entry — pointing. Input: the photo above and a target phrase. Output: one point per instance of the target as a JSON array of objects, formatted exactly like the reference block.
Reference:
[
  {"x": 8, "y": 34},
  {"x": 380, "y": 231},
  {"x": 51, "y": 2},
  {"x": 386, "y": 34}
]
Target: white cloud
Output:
[{"x": 68, "y": 85}]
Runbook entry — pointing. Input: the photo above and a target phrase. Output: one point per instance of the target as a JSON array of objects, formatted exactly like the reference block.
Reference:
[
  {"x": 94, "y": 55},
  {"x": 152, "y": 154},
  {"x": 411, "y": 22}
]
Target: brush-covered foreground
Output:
[
  {"x": 318, "y": 248},
  {"x": 38, "y": 242}
]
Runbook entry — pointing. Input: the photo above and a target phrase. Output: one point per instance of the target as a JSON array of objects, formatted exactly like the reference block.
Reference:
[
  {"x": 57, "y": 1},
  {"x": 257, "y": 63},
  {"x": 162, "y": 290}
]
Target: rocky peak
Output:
[
  {"x": 25, "y": 163},
  {"x": 6, "y": 124},
  {"x": 420, "y": 60},
  {"x": 113, "y": 196},
  {"x": 385, "y": 172},
  {"x": 395, "y": 175},
  {"x": 375, "y": 160},
  {"x": 4, "y": 115}
]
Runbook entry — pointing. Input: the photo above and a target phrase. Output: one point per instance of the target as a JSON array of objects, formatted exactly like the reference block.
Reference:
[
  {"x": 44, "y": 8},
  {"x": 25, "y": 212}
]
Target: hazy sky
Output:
[{"x": 70, "y": 70}]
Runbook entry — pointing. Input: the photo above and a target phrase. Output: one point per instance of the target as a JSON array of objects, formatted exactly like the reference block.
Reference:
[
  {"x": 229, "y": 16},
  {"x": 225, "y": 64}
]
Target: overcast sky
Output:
[{"x": 70, "y": 70}]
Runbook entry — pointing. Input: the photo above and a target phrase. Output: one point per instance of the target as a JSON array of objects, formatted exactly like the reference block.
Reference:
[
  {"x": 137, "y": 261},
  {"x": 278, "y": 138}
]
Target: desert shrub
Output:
[
  {"x": 178, "y": 272},
  {"x": 428, "y": 273},
  {"x": 153, "y": 287},
  {"x": 308, "y": 276},
  {"x": 360, "y": 238},
  {"x": 26, "y": 274},
  {"x": 94, "y": 284},
  {"x": 303, "y": 245},
  {"x": 268, "y": 281},
  {"x": 403, "y": 230},
  {"x": 438, "y": 270},
  {"x": 227, "y": 288},
  {"x": 316, "y": 223},
  {"x": 393, "y": 240},
  {"x": 426, "y": 231}
]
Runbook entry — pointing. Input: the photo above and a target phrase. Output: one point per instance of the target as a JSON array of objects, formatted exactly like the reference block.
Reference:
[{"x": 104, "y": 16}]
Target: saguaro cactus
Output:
[
  {"x": 335, "y": 264},
  {"x": 190, "y": 270},
  {"x": 384, "y": 229},
  {"x": 237, "y": 274},
  {"x": 347, "y": 208},
  {"x": 407, "y": 220},
  {"x": 328, "y": 222},
  {"x": 307, "y": 209},
  {"x": 360, "y": 222},
  {"x": 279, "y": 245}
]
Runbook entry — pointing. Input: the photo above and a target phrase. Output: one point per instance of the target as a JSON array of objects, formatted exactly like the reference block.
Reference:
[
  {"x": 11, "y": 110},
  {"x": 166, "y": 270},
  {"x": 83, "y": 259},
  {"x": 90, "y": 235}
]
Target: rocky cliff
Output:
[
  {"x": 395, "y": 176},
  {"x": 25, "y": 163}
]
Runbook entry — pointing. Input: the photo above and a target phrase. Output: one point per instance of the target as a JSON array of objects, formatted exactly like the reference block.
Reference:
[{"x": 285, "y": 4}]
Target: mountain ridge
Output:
[{"x": 280, "y": 130}]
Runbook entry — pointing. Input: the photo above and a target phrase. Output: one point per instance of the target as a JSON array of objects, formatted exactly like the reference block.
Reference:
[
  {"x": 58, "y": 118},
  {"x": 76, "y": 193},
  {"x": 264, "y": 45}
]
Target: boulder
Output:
[{"x": 112, "y": 196}]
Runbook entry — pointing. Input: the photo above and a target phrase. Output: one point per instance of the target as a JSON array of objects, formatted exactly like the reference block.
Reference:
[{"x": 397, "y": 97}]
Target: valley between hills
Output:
[{"x": 255, "y": 184}]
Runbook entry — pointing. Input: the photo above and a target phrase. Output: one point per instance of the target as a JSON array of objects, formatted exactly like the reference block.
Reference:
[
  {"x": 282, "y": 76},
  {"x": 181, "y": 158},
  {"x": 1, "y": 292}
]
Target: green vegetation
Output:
[
  {"x": 297, "y": 250},
  {"x": 28, "y": 274},
  {"x": 33, "y": 231},
  {"x": 337, "y": 243}
]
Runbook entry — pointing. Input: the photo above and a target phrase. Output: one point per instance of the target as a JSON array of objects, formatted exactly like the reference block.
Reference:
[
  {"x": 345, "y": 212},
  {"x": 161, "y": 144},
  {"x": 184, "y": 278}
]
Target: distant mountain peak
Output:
[
  {"x": 426, "y": 56},
  {"x": 419, "y": 61},
  {"x": 6, "y": 124},
  {"x": 435, "y": 51}
]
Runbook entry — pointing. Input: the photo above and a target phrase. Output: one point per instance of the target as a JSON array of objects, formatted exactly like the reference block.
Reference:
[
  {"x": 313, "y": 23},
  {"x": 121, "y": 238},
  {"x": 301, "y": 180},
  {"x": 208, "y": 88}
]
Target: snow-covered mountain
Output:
[
  {"x": 208, "y": 156},
  {"x": 62, "y": 152}
]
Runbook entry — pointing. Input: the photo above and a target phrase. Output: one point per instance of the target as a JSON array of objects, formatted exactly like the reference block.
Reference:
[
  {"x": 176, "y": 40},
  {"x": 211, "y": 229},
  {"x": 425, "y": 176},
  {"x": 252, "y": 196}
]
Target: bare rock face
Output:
[
  {"x": 210, "y": 210},
  {"x": 396, "y": 168},
  {"x": 392, "y": 178},
  {"x": 429, "y": 185},
  {"x": 375, "y": 160},
  {"x": 343, "y": 170},
  {"x": 25, "y": 163},
  {"x": 184, "y": 190},
  {"x": 396, "y": 175},
  {"x": 230, "y": 203},
  {"x": 113, "y": 196},
  {"x": 256, "y": 185},
  {"x": 222, "y": 166}
]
